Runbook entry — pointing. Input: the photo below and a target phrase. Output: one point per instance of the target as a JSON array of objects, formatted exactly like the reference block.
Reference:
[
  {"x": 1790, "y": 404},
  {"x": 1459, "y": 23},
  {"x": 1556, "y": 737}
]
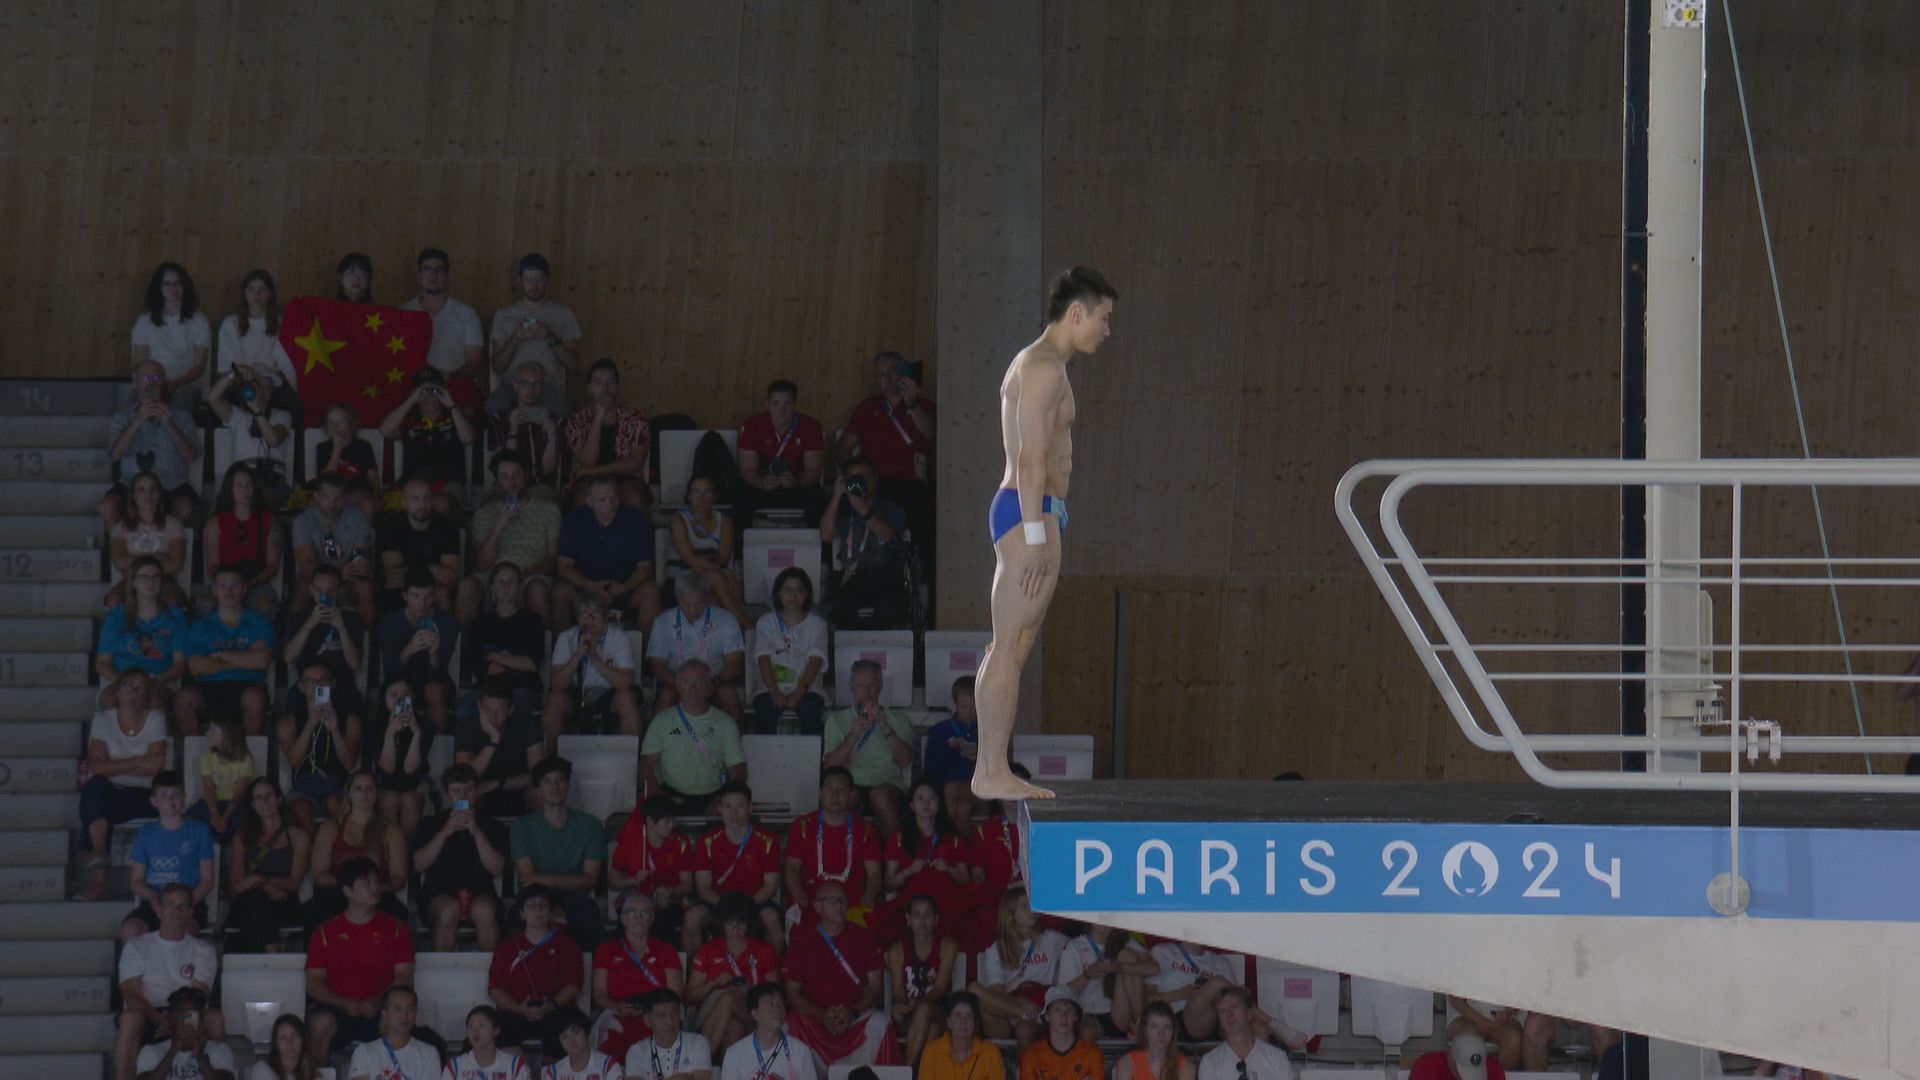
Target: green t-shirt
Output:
[
  {"x": 525, "y": 540},
  {"x": 559, "y": 851},
  {"x": 694, "y": 766},
  {"x": 872, "y": 762}
]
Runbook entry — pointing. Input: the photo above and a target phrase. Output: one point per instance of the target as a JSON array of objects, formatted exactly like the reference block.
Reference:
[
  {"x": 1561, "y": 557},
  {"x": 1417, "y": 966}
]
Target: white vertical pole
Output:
[{"x": 1678, "y": 622}]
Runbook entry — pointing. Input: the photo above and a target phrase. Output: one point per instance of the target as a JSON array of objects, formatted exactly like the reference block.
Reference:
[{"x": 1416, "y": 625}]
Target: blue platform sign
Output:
[{"x": 1464, "y": 869}]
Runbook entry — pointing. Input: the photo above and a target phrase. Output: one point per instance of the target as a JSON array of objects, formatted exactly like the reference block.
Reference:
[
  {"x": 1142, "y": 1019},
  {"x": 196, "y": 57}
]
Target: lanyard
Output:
[
  {"x": 837, "y": 954},
  {"x": 768, "y": 1060},
  {"x": 820, "y": 850},
  {"x": 1191, "y": 962},
  {"x": 694, "y": 528},
  {"x": 887, "y": 407},
  {"x": 706, "y": 627},
  {"x": 526, "y": 954},
  {"x": 753, "y": 965},
  {"x": 653, "y": 1048},
  {"x": 737, "y": 853},
  {"x": 641, "y": 965},
  {"x": 393, "y": 1059},
  {"x": 961, "y": 732},
  {"x": 699, "y": 743},
  {"x": 878, "y": 717}
]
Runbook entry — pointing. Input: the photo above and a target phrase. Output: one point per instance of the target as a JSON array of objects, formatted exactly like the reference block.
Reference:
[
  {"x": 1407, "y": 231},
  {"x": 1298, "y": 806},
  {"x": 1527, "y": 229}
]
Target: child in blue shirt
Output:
[{"x": 173, "y": 850}]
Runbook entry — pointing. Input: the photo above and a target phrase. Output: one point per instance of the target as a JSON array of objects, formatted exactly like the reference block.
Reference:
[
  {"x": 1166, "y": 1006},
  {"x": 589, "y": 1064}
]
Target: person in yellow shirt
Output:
[
  {"x": 1063, "y": 1054},
  {"x": 961, "y": 1053}
]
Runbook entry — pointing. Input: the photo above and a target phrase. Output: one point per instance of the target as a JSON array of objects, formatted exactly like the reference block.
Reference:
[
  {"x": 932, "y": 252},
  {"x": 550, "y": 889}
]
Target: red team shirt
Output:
[
  {"x": 996, "y": 849},
  {"x": 737, "y": 868},
  {"x": 757, "y": 435},
  {"x": 822, "y": 852},
  {"x": 528, "y": 972},
  {"x": 888, "y": 436},
  {"x": 758, "y": 963},
  {"x": 624, "y": 978},
  {"x": 663, "y": 864},
  {"x": 359, "y": 958},
  {"x": 821, "y": 975}
]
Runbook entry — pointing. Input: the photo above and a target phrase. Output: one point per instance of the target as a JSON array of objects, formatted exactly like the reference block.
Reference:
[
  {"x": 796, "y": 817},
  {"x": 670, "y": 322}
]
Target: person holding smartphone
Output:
[
  {"x": 434, "y": 437},
  {"x": 189, "y": 1048},
  {"x": 457, "y": 854}
]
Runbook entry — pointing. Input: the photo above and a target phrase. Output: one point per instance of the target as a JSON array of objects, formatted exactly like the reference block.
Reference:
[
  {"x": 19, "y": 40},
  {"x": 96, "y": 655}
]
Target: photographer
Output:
[
  {"x": 865, "y": 531},
  {"x": 434, "y": 442},
  {"x": 262, "y": 435},
  {"x": 894, "y": 431},
  {"x": 191, "y": 1051}
]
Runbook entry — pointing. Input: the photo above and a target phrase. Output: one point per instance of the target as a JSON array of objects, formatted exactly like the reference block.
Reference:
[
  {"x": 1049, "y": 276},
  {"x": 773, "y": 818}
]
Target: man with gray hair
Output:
[
  {"x": 592, "y": 670},
  {"x": 692, "y": 749},
  {"x": 693, "y": 627}
]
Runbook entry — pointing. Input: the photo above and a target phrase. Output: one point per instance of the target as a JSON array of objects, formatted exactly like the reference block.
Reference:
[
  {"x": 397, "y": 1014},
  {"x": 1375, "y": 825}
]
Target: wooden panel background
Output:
[
  {"x": 728, "y": 191},
  {"x": 1344, "y": 232}
]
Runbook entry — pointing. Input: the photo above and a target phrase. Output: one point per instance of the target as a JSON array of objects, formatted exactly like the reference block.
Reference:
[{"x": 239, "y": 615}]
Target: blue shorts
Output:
[{"x": 1003, "y": 516}]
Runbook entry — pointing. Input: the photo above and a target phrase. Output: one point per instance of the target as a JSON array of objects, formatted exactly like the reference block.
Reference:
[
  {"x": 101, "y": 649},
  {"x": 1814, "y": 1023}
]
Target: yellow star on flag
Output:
[
  {"x": 394, "y": 375},
  {"x": 374, "y": 321},
  {"x": 397, "y": 345},
  {"x": 319, "y": 349},
  {"x": 371, "y": 392}
]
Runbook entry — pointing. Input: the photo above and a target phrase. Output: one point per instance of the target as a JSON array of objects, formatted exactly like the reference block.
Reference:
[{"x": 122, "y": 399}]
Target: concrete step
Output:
[
  {"x": 43, "y": 958},
  {"x": 22, "y": 775},
  {"x": 53, "y": 598},
  {"x": 48, "y": 397},
  {"x": 54, "y": 995},
  {"x": 75, "y": 919},
  {"x": 53, "y": 564},
  {"x": 64, "y": 1066},
  {"x": 52, "y": 530},
  {"x": 73, "y": 1033},
  {"x": 25, "y": 884},
  {"x": 45, "y": 668},
  {"x": 33, "y": 738},
  {"x": 80, "y": 465},
  {"x": 33, "y": 847},
  {"x": 55, "y": 433},
  {"x": 46, "y": 496},
  {"x": 41, "y": 811},
  {"x": 52, "y": 633}
]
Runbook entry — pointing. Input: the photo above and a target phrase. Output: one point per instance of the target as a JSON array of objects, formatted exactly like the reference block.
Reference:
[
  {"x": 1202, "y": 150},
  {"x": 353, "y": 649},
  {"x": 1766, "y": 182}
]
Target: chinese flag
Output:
[{"x": 356, "y": 353}]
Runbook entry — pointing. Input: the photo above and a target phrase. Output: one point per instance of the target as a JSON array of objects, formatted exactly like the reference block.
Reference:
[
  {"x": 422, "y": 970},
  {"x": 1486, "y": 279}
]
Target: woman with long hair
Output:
[
  {"x": 269, "y": 860},
  {"x": 790, "y": 651},
  {"x": 127, "y": 747},
  {"x": 250, "y": 338},
  {"x": 726, "y": 967},
  {"x": 1106, "y": 969},
  {"x": 242, "y": 532},
  {"x": 145, "y": 528},
  {"x": 1156, "y": 1057},
  {"x": 226, "y": 768},
  {"x": 360, "y": 833},
  {"x": 287, "y": 1057},
  {"x": 921, "y": 965},
  {"x": 145, "y": 634},
  {"x": 174, "y": 334},
  {"x": 703, "y": 541},
  {"x": 1015, "y": 972},
  {"x": 962, "y": 1052},
  {"x": 925, "y": 856}
]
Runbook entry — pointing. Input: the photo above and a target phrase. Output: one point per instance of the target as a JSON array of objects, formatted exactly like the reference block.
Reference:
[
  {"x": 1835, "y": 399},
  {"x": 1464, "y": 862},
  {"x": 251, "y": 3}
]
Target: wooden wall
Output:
[
  {"x": 1386, "y": 229},
  {"x": 727, "y": 191}
]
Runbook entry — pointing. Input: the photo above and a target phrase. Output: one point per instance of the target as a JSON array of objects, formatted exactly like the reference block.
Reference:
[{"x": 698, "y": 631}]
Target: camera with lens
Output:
[{"x": 856, "y": 485}]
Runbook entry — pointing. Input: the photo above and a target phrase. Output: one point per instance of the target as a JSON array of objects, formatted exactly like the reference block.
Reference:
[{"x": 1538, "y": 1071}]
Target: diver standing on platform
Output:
[{"x": 1028, "y": 516}]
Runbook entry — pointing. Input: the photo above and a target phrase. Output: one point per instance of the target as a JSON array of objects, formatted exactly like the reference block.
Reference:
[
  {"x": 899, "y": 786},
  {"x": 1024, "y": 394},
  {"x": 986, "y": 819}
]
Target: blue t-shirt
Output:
[
  {"x": 149, "y": 646},
  {"x": 210, "y": 635},
  {"x": 606, "y": 552},
  {"x": 172, "y": 856},
  {"x": 945, "y": 763}
]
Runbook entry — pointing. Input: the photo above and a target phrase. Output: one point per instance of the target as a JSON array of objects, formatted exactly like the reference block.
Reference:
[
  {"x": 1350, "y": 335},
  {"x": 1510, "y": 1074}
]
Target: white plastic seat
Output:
[
  {"x": 1305, "y": 999},
  {"x": 891, "y": 649},
  {"x": 766, "y": 552},
  {"x": 450, "y": 985},
  {"x": 676, "y": 461},
  {"x": 784, "y": 772},
  {"x": 255, "y": 988},
  {"x": 1054, "y": 757},
  {"x": 951, "y": 654},
  {"x": 1390, "y": 1012},
  {"x": 605, "y": 772}
]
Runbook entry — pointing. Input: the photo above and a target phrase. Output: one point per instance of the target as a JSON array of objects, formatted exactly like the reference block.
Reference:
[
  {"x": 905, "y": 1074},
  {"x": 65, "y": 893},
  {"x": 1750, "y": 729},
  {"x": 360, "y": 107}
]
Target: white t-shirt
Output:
[
  {"x": 1074, "y": 960},
  {"x": 505, "y": 1066},
  {"x": 676, "y": 638},
  {"x": 375, "y": 1061},
  {"x": 615, "y": 649},
  {"x": 559, "y": 319},
  {"x": 164, "y": 966},
  {"x": 171, "y": 344},
  {"x": 789, "y": 647},
  {"x": 184, "y": 1068},
  {"x": 456, "y": 327},
  {"x": 1039, "y": 963},
  {"x": 793, "y": 1060},
  {"x": 256, "y": 348},
  {"x": 150, "y": 539},
  {"x": 1266, "y": 1062},
  {"x": 1180, "y": 968},
  {"x": 599, "y": 1067},
  {"x": 121, "y": 746},
  {"x": 247, "y": 445},
  {"x": 689, "y": 1053}
]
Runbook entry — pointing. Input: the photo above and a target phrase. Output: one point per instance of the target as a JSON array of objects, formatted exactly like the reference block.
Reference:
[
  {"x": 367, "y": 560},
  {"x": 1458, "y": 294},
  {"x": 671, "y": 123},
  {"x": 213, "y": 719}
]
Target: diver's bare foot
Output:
[{"x": 1006, "y": 786}]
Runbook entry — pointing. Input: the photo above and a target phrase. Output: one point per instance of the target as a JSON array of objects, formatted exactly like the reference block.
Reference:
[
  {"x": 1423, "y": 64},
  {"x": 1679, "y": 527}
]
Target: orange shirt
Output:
[{"x": 1082, "y": 1061}]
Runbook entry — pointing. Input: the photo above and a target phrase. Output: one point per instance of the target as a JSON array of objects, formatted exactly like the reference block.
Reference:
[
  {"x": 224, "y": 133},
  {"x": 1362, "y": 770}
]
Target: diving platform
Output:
[{"x": 1597, "y": 905}]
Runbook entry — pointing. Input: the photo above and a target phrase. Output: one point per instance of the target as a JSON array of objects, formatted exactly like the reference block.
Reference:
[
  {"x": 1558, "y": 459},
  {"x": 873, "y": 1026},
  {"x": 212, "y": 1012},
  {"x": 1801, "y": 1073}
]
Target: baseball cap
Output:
[{"x": 1468, "y": 1052}]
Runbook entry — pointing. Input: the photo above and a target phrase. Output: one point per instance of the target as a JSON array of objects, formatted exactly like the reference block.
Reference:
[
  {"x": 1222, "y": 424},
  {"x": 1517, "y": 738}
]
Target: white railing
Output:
[{"x": 1412, "y": 589}]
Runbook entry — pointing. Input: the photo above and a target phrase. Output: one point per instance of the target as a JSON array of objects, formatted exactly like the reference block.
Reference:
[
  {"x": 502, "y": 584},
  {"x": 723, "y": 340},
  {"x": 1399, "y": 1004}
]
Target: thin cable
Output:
[{"x": 1793, "y": 375}]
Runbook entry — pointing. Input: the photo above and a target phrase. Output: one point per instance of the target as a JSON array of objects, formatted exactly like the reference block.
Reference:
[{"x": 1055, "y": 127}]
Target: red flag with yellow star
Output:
[{"x": 356, "y": 353}]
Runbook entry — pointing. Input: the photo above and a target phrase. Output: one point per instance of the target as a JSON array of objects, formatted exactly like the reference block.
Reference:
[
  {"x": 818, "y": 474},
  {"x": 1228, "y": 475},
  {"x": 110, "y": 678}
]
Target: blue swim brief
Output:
[{"x": 1003, "y": 516}]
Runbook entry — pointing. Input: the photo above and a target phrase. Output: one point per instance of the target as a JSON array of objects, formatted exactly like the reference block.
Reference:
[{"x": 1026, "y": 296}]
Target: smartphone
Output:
[
  {"x": 528, "y": 321},
  {"x": 403, "y": 705},
  {"x": 323, "y": 695},
  {"x": 190, "y": 1018},
  {"x": 325, "y": 599},
  {"x": 462, "y": 805}
]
